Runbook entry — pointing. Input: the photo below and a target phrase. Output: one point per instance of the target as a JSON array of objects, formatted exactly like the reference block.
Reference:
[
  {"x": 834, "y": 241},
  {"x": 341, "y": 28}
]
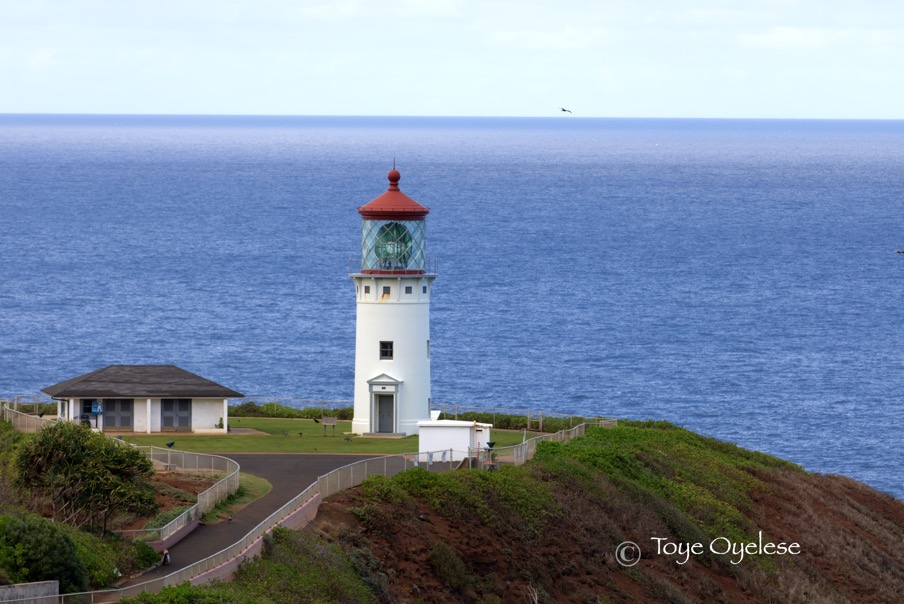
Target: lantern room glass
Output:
[{"x": 393, "y": 245}]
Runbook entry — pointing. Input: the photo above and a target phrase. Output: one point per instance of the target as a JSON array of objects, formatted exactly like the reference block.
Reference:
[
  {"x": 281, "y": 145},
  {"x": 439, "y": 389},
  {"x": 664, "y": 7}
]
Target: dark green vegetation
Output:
[
  {"x": 33, "y": 548},
  {"x": 252, "y": 409},
  {"x": 549, "y": 531}
]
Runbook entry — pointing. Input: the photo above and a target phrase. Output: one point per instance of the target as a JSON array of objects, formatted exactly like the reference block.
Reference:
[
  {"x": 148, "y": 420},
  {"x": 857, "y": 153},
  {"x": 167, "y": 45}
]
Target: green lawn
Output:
[{"x": 282, "y": 436}]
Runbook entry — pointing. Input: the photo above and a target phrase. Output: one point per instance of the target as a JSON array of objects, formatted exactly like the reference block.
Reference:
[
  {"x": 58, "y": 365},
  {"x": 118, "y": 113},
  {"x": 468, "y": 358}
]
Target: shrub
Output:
[
  {"x": 87, "y": 476},
  {"x": 448, "y": 567},
  {"x": 35, "y": 549},
  {"x": 381, "y": 488},
  {"x": 133, "y": 556},
  {"x": 99, "y": 557},
  {"x": 273, "y": 409},
  {"x": 9, "y": 442}
]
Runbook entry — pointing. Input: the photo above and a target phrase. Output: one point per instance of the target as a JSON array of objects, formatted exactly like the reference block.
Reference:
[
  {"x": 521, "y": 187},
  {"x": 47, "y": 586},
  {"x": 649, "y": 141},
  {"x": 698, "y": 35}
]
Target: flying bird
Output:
[{"x": 563, "y": 109}]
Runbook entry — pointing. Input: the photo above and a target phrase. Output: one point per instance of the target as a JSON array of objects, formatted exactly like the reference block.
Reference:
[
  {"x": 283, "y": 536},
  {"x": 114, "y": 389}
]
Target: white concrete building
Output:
[
  {"x": 392, "y": 338},
  {"x": 144, "y": 398}
]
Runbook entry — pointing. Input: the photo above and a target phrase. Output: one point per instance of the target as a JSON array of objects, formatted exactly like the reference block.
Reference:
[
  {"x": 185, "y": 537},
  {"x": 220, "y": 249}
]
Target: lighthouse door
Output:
[{"x": 385, "y": 413}]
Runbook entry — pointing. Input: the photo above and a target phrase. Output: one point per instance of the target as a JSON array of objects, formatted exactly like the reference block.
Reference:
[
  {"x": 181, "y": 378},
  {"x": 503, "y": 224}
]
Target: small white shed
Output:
[{"x": 448, "y": 434}]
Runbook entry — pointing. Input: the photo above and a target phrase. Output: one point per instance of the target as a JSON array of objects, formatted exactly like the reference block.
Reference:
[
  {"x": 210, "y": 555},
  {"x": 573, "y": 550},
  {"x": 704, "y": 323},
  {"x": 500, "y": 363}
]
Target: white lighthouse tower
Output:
[{"x": 392, "y": 339}]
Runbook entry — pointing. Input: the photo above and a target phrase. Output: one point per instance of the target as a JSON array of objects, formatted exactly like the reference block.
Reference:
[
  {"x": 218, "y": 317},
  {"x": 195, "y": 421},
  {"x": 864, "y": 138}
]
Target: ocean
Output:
[{"x": 736, "y": 277}]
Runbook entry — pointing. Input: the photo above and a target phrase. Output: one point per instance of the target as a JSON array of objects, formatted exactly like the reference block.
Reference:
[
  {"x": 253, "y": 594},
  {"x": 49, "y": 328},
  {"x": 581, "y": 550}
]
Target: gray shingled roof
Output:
[{"x": 140, "y": 381}]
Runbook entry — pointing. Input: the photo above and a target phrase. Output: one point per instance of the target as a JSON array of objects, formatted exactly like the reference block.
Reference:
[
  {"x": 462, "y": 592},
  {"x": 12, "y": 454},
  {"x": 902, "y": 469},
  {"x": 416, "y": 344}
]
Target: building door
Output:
[
  {"x": 385, "y": 413},
  {"x": 117, "y": 414},
  {"x": 175, "y": 414}
]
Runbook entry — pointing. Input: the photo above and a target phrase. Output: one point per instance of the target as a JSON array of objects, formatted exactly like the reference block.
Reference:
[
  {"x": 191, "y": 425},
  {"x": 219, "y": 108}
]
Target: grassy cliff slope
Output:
[{"x": 710, "y": 521}]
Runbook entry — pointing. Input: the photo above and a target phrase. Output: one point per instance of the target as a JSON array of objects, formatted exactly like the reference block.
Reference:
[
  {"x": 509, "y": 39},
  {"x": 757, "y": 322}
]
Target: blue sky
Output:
[{"x": 599, "y": 58}]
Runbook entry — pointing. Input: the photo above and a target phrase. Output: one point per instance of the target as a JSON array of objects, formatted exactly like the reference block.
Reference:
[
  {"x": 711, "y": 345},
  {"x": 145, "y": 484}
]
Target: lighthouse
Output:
[{"x": 392, "y": 333}]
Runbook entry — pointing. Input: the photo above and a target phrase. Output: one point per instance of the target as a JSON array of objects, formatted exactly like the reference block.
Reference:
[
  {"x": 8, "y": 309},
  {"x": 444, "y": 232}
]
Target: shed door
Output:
[
  {"x": 175, "y": 414},
  {"x": 118, "y": 414}
]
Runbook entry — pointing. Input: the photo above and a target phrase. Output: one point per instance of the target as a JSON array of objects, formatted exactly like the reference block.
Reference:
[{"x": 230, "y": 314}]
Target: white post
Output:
[
  {"x": 226, "y": 415},
  {"x": 147, "y": 417},
  {"x": 71, "y": 410}
]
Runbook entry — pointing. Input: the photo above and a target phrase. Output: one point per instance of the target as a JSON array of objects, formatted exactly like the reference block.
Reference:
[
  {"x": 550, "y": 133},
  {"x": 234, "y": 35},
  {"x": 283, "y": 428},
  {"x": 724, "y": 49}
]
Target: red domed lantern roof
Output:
[{"x": 393, "y": 204}]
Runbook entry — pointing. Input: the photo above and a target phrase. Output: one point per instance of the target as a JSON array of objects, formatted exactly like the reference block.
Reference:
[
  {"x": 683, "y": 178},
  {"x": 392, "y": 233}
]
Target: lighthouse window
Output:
[
  {"x": 386, "y": 290},
  {"x": 385, "y": 350},
  {"x": 425, "y": 289},
  {"x": 366, "y": 289},
  {"x": 407, "y": 289}
]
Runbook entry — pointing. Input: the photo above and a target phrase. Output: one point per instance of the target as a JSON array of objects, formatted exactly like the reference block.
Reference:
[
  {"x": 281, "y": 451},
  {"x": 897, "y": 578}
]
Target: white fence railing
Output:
[{"x": 24, "y": 422}]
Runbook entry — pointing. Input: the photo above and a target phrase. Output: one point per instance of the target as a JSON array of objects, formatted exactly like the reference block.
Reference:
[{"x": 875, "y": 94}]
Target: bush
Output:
[
  {"x": 9, "y": 442},
  {"x": 381, "y": 488},
  {"x": 87, "y": 476},
  {"x": 133, "y": 556},
  {"x": 35, "y": 549},
  {"x": 448, "y": 567},
  {"x": 272, "y": 409}
]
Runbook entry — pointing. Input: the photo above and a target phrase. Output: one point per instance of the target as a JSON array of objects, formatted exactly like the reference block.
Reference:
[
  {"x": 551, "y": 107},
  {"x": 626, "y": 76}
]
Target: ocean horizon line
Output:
[{"x": 557, "y": 118}]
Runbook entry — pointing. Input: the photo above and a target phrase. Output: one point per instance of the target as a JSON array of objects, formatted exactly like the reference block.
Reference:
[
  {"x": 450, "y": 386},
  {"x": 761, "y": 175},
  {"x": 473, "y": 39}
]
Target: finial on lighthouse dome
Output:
[{"x": 394, "y": 177}]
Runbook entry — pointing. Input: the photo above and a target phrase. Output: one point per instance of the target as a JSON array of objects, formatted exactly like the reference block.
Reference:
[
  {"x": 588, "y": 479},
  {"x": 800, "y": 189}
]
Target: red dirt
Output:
[{"x": 190, "y": 483}]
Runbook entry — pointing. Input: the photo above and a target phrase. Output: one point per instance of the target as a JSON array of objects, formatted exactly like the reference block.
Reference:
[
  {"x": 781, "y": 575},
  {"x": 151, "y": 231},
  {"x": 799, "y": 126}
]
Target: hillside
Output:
[{"x": 549, "y": 531}]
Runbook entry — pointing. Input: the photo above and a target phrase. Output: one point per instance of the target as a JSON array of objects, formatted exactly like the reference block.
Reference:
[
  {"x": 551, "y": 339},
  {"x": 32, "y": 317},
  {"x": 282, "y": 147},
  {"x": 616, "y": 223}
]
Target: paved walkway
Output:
[{"x": 290, "y": 474}]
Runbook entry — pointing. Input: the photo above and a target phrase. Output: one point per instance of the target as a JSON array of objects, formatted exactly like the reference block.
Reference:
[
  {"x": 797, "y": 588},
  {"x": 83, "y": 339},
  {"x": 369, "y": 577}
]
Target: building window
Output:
[
  {"x": 407, "y": 289},
  {"x": 386, "y": 290},
  {"x": 425, "y": 289},
  {"x": 366, "y": 289},
  {"x": 385, "y": 351}
]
